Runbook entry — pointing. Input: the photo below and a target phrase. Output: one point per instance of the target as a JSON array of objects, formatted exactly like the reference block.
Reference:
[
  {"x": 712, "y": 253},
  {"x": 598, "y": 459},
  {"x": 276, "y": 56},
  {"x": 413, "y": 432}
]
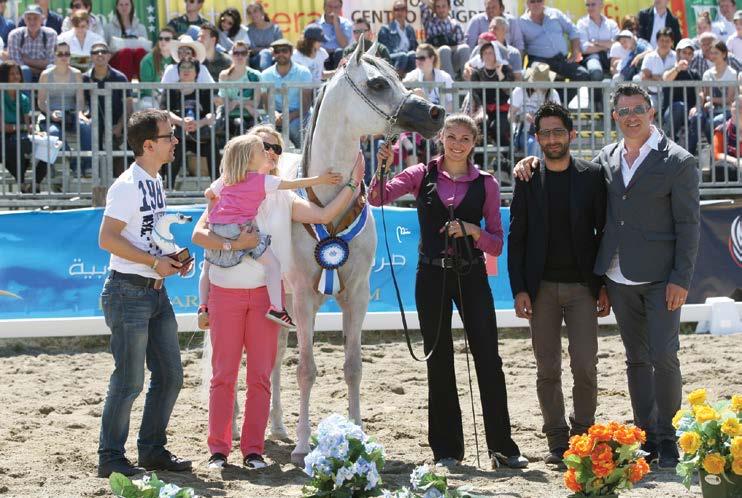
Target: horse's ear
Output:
[
  {"x": 357, "y": 53},
  {"x": 372, "y": 51}
]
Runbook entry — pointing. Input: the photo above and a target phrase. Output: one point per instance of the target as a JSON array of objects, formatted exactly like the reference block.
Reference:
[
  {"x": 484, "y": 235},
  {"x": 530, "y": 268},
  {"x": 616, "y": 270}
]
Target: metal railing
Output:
[{"x": 79, "y": 177}]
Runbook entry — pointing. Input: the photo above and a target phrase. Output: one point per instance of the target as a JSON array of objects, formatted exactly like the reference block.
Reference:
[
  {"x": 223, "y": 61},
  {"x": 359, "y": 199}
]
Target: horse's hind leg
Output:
[
  {"x": 305, "y": 310},
  {"x": 354, "y": 311},
  {"x": 278, "y": 430}
]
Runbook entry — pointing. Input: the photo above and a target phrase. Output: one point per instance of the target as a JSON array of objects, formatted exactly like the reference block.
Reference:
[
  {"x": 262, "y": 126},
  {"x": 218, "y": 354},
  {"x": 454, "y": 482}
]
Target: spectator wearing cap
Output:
[
  {"x": 597, "y": 34},
  {"x": 627, "y": 54},
  {"x": 723, "y": 27},
  {"x": 652, "y": 19},
  {"x": 100, "y": 74},
  {"x": 338, "y": 31},
  {"x": 192, "y": 17},
  {"x": 399, "y": 39},
  {"x": 32, "y": 46},
  {"x": 734, "y": 42},
  {"x": 544, "y": 30},
  {"x": 216, "y": 61},
  {"x": 50, "y": 18},
  {"x": 186, "y": 49},
  {"x": 504, "y": 52},
  {"x": 679, "y": 100},
  {"x": 363, "y": 34},
  {"x": 282, "y": 72},
  {"x": 231, "y": 29},
  {"x": 658, "y": 61},
  {"x": 80, "y": 39},
  {"x": 6, "y": 25},
  {"x": 445, "y": 34},
  {"x": 262, "y": 33},
  {"x": 482, "y": 22},
  {"x": 309, "y": 51}
]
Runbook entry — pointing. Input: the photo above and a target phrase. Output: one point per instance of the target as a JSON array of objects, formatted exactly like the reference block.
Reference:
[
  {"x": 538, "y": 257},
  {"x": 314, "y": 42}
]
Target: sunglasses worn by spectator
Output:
[
  {"x": 421, "y": 57},
  {"x": 637, "y": 110},
  {"x": 556, "y": 133},
  {"x": 359, "y": 31},
  {"x": 240, "y": 53},
  {"x": 63, "y": 54},
  {"x": 165, "y": 38},
  {"x": 274, "y": 147},
  {"x": 195, "y": 1},
  {"x": 400, "y": 9},
  {"x": 100, "y": 52},
  {"x": 281, "y": 50}
]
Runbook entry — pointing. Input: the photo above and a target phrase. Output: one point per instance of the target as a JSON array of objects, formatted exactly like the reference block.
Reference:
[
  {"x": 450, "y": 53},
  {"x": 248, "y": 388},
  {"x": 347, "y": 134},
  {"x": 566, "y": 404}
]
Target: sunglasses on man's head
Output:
[
  {"x": 637, "y": 110},
  {"x": 274, "y": 147}
]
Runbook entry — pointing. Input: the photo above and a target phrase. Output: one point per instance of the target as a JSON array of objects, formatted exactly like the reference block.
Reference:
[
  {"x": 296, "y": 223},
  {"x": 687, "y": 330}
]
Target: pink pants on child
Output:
[{"x": 237, "y": 318}]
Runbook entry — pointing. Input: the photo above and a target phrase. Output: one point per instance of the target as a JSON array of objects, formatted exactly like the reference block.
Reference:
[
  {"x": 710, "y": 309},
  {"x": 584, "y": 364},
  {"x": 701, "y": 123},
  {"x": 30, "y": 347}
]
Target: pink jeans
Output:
[{"x": 237, "y": 318}]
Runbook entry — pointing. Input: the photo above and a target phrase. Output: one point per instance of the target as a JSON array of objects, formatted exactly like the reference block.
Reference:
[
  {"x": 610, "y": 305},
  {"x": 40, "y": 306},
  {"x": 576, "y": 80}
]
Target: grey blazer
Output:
[{"x": 654, "y": 221}]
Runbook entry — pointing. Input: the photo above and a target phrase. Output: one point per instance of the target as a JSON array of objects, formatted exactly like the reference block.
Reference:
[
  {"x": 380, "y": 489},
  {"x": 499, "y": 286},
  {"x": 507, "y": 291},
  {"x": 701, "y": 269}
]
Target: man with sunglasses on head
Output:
[
  {"x": 192, "y": 17},
  {"x": 136, "y": 305},
  {"x": 647, "y": 255},
  {"x": 556, "y": 222},
  {"x": 102, "y": 73}
]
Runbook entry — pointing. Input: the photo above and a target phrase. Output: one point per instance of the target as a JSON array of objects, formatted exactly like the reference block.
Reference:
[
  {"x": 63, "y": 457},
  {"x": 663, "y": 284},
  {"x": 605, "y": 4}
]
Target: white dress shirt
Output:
[{"x": 628, "y": 171}]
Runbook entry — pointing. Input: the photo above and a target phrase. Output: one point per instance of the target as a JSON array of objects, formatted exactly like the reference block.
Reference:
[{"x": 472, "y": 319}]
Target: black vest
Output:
[{"x": 432, "y": 214}]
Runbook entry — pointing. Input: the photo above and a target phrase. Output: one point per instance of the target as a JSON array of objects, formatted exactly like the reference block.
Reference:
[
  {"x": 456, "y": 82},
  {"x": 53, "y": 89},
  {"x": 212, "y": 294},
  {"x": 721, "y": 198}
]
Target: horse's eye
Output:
[{"x": 377, "y": 83}]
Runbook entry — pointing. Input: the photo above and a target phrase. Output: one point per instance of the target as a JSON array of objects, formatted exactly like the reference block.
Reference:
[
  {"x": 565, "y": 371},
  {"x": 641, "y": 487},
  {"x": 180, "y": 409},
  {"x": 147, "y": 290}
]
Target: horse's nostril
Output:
[{"x": 436, "y": 112}]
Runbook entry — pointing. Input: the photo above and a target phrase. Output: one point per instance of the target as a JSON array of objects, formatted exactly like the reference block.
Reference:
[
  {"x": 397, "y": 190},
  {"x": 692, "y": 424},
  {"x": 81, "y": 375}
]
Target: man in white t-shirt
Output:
[
  {"x": 136, "y": 305},
  {"x": 660, "y": 60}
]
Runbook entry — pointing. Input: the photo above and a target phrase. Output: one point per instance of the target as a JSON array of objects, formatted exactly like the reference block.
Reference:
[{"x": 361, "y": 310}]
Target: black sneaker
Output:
[
  {"x": 166, "y": 461},
  {"x": 651, "y": 449},
  {"x": 217, "y": 461},
  {"x": 281, "y": 317},
  {"x": 669, "y": 455},
  {"x": 512, "y": 461},
  {"x": 122, "y": 466},
  {"x": 555, "y": 457},
  {"x": 255, "y": 461}
]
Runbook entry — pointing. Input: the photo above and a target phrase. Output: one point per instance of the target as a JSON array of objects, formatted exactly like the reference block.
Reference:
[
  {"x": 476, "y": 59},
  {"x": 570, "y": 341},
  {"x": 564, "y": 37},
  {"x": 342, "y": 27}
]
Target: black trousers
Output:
[{"x": 445, "y": 431}]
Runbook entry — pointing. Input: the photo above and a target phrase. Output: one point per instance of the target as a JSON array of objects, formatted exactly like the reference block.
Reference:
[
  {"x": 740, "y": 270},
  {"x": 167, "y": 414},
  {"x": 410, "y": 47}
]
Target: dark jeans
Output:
[
  {"x": 650, "y": 336},
  {"x": 562, "y": 67},
  {"x": 18, "y": 165},
  {"x": 143, "y": 328},
  {"x": 673, "y": 120},
  {"x": 335, "y": 56},
  {"x": 709, "y": 121},
  {"x": 445, "y": 432}
]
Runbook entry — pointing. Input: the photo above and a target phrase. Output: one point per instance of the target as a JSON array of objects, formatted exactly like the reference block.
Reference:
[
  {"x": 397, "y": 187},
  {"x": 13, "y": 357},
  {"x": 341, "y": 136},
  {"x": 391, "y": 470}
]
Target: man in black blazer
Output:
[
  {"x": 556, "y": 223},
  {"x": 657, "y": 13}
]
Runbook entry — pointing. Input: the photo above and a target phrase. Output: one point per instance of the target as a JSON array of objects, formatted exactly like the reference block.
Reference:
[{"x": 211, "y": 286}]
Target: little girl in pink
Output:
[{"x": 237, "y": 195}]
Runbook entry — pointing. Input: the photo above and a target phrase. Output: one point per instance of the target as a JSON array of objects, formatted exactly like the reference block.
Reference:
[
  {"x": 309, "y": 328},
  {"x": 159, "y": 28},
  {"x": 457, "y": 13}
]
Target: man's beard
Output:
[{"x": 559, "y": 154}]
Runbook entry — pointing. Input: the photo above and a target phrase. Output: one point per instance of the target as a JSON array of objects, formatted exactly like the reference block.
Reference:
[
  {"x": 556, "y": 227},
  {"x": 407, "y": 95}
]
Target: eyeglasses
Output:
[
  {"x": 62, "y": 54},
  {"x": 170, "y": 136},
  {"x": 274, "y": 147},
  {"x": 638, "y": 110},
  {"x": 359, "y": 31},
  {"x": 165, "y": 38},
  {"x": 555, "y": 132},
  {"x": 239, "y": 53},
  {"x": 400, "y": 9},
  {"x": 100, "y": 52},
  {"x": 281, "y": 50}
]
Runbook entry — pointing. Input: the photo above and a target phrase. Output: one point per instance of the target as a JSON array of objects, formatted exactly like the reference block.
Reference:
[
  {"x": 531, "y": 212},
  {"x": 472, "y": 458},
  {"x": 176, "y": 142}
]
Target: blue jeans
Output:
[
  {"x": 86, "y": 142},
  {"x": 709, "y": 121},
  {"x": 527, "y": 142},
  {"x": 674, "y": 120},
  {"x": 262, "y": 60},
  {"x": 143, "y": 328}
]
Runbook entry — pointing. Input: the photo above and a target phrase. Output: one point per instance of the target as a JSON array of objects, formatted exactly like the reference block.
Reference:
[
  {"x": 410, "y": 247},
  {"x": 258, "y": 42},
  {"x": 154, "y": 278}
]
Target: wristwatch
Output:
[{"x": 227, "y": 245}]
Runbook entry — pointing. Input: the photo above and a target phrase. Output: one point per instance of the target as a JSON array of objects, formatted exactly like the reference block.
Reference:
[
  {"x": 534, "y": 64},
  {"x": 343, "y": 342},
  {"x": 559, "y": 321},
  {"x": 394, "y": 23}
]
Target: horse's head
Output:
[
  {"x": 181, "y": 219},
  {"x": 390, "y": 107}
]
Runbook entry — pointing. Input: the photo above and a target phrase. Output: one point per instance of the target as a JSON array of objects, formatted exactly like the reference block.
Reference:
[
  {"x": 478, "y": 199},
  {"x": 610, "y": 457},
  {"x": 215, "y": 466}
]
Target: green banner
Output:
[
  {"x": 694, "y": 8},
  {"x": 144, "y": 10}
]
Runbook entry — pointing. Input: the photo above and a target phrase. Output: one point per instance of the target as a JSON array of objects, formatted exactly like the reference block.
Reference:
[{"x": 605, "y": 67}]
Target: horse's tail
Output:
[{"x": 206, "y": 372}]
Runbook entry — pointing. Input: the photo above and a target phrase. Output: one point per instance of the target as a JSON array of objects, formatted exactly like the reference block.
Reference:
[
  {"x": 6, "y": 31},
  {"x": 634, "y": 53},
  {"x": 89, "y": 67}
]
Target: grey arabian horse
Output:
[{"x": 364, "y": 98}]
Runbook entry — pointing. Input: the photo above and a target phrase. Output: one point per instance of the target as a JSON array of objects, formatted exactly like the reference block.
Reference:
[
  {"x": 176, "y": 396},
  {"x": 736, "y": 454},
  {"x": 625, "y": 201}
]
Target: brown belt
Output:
[{"x": 154, "y": 283}]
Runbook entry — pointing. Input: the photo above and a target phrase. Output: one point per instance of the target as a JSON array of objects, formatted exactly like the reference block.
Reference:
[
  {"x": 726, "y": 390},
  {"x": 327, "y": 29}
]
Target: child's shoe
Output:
[
  {"x": 281, "y": 317},
  {"x": 203, "y": 317}
]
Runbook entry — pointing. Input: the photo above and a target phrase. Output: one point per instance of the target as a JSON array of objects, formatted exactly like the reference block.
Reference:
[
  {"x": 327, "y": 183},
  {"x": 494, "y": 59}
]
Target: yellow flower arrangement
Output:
[
  {"x": 710, "y": 436},
  {"x": 697, "y": 397}
]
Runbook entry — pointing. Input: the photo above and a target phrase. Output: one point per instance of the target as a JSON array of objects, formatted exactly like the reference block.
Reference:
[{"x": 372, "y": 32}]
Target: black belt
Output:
[
  {"x": 154, "y": 283},
  {"x": 449, "y": 262}
]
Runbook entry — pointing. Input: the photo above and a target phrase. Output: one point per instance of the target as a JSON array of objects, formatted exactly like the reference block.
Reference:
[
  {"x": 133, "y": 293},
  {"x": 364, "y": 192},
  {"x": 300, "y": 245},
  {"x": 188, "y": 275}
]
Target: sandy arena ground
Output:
[{"x": 52, "y": 395}]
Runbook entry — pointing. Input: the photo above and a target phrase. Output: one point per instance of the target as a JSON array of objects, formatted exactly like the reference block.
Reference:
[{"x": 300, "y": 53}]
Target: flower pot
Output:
[{"x": 714, "y": 486}]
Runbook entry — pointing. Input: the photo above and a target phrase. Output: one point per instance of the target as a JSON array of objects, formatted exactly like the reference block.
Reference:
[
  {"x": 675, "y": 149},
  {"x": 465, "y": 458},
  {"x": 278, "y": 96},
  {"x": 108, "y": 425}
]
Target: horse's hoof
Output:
[
  {"x": 279, "y": 434},
  {"x": 298, "y": 458}
]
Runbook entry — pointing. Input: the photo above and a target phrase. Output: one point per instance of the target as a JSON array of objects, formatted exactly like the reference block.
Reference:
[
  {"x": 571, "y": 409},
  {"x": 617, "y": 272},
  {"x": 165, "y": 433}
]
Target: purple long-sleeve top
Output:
[{"x": 450, "y": 192}]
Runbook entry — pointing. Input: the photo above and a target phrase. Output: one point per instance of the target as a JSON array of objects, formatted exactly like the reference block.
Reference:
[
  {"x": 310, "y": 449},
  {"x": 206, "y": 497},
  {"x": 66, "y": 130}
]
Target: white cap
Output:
[{"x": 625, "y": 34}]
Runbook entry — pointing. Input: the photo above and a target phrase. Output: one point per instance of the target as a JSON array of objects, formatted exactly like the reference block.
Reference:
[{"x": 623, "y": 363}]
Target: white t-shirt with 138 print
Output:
[{"x": 137, "y": 199}]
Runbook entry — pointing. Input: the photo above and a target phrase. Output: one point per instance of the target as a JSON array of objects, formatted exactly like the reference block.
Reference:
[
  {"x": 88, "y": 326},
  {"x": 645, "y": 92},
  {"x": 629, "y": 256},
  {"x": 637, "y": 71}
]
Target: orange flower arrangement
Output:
[{"x": 605, "y": 461}]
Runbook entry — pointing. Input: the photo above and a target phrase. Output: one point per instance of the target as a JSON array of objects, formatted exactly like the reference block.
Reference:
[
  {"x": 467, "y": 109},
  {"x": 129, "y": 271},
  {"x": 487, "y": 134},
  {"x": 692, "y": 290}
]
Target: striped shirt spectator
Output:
[{"x": 439, "y": 31}]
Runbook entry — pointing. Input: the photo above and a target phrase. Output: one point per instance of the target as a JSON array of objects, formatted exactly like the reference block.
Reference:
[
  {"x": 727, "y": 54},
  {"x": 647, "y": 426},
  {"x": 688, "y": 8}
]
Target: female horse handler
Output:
[{"x": 451, "y": 182}]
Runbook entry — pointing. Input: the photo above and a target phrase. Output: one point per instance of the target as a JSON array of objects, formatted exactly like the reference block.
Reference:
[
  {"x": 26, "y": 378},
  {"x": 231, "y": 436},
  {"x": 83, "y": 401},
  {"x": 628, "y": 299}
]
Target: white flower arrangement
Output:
[
  {"x": 343, "y": 461},
  {"x": 426, "y": 483},
  {"x": 146, "y": 487}
]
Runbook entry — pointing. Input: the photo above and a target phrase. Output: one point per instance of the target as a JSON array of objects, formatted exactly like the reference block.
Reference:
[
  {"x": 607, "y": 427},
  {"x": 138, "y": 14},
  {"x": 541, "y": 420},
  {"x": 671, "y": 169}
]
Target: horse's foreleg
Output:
[
  {"x": 304, "y": 312},
  {"x": 278, "y": 430},
  {"x": 354, "y": 311}
]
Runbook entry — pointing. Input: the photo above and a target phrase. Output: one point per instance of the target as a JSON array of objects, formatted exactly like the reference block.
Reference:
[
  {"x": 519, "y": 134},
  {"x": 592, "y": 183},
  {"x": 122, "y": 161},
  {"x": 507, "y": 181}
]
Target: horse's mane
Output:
[{"x": 306, "y": 149}]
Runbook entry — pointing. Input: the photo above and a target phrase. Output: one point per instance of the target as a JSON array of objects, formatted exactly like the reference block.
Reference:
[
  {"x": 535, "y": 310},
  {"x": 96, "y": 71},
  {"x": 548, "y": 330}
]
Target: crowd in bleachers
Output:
[{"x": 541, "y": 44}]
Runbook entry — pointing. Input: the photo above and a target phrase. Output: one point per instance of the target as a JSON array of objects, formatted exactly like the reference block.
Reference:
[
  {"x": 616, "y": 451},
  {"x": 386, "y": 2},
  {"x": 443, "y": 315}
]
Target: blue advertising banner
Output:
[{"x": 51, "y": 266}]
